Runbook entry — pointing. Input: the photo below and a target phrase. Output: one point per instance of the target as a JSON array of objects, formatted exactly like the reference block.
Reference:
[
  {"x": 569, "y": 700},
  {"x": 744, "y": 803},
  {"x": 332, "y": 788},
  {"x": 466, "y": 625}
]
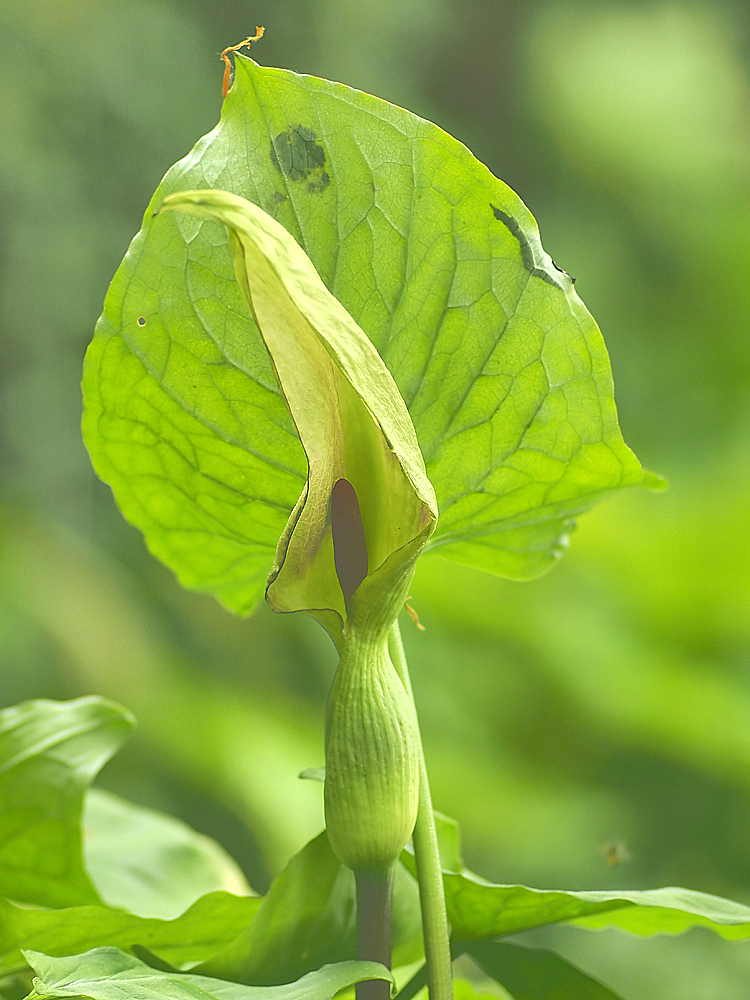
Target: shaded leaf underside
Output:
[
  {"x": 536, "y": 974},
  {"x": 503, "y": 370}
]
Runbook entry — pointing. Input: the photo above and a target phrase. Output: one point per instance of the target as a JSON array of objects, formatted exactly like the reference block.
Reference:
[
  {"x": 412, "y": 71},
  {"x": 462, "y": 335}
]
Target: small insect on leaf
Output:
[
  {"x": 259, "y": 32},
  {"x": 349, "y": 545}
]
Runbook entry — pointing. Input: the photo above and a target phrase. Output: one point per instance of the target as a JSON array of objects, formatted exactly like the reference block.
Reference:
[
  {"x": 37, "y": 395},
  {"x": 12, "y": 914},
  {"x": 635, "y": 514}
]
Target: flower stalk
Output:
[{"x": 374, "y": 913}]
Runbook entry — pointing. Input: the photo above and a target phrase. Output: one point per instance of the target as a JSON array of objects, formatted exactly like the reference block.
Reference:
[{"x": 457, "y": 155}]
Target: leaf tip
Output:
[{"x": 226, "y": 81}]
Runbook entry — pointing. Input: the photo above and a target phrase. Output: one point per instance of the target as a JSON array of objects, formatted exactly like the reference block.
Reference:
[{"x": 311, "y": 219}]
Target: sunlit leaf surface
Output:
[{"x": 504, "y": 372}]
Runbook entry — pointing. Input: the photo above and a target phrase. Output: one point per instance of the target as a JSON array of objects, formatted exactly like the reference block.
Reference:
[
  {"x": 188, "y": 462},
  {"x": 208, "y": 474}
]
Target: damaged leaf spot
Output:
[
  {"x": 532, "y": 255},
  {"x": 274, "y": 201},
  {"x": 562, "y": 271},
  {"x": 299, "y": 157},
  {"x": 141, "y": 321}
]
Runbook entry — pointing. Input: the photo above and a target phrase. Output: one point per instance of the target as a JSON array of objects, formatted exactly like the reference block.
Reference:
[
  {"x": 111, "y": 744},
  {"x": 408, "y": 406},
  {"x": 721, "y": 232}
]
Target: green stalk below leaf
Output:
[
  {"x": 429, "y": 875},
  {"x": 374, "y": 920}
]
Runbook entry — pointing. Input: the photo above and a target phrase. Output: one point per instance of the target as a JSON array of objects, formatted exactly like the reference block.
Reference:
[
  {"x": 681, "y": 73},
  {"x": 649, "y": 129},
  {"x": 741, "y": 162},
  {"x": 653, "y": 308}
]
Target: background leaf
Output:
[
  {"x": 536, "y": 973},
  {"x": 106, "y": 973},
  {"x": 133, "y": 859},
  {"x": 504, "y": 372},
  {"x": 201, "y": 931},
  {"x": 148, "y": 863},
  {"x": 49, "y": 754},
  {"x": 477, "y": 909},
  {"x": 308, "y": 919},
  {"x": 464, "y": 989}
]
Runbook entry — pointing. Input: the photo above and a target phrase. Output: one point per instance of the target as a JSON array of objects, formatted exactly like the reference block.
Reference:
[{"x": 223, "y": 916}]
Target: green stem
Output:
[
  {"x": 374, "y": 909},
  {"x": 434, "y": 919}
]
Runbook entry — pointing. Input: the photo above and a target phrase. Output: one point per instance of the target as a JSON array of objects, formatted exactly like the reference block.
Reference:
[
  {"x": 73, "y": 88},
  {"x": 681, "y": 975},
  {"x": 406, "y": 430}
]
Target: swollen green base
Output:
[{"x": 372, "y": 758}]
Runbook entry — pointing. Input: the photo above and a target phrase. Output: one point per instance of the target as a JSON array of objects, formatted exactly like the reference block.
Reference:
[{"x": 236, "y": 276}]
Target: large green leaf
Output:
[
  {"x": 504, "y": 372},
  {"x": 148, "y": 863},
  {"x": 535, "y": 973},
  {"x": 478, "y": 909},
  {"x": 200, "y": 932},
  {"x": 49, "y": 754},
  {"x": 308, "y": 919},
  {"x": 108, "y": 974}
]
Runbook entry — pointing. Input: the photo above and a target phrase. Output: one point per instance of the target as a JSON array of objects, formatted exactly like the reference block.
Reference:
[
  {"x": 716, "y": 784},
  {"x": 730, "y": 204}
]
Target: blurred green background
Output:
[{"x": 609, "y": 701}]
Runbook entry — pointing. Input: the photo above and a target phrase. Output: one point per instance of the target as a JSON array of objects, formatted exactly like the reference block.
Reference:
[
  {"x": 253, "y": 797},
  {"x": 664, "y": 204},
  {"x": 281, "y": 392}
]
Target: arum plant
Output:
[
  {"x": 334, "y": 325},
  {"x": 347, "y": 557},
  {"x": 210, "y": 345}
]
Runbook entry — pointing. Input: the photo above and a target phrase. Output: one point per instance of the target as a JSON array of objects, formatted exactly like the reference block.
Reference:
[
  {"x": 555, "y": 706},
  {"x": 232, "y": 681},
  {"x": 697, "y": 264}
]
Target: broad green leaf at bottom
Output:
[
  {"x": 308, "y": 919},
  {"x": 109, "y": 974},
  {"x": 477, "y": 909}
]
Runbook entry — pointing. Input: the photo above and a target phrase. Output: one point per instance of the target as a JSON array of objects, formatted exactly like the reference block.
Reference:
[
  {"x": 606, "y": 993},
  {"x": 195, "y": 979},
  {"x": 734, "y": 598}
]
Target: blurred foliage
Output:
[{"x": 609, "y": 701}]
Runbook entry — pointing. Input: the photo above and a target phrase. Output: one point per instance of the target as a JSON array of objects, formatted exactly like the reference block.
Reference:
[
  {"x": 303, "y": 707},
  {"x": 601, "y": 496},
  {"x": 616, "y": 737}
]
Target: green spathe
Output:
[
  {"x": 350, "y": 417},
  {"x": 354, "y": 426}
]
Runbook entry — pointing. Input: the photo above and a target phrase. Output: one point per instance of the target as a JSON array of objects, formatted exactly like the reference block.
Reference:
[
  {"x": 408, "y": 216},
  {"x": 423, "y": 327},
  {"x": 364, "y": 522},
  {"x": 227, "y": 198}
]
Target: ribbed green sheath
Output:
[{"x": 372, "y": 757}]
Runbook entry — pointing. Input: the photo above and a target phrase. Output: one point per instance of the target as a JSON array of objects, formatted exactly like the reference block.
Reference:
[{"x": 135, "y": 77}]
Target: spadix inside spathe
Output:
[{"x": 348, "y": 412}]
